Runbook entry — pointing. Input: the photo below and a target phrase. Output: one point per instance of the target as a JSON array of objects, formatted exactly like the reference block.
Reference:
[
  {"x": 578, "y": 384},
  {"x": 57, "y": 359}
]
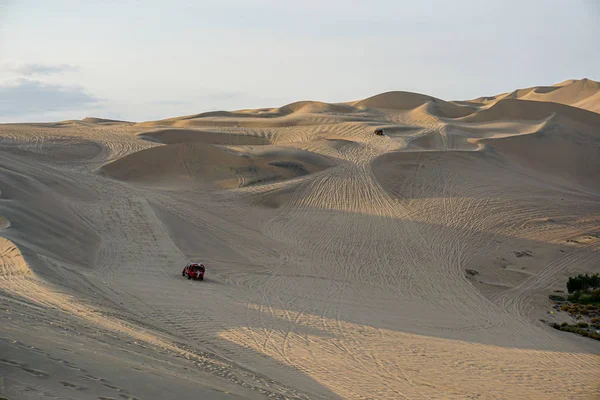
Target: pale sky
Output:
[{"x": 144, "y": 60}]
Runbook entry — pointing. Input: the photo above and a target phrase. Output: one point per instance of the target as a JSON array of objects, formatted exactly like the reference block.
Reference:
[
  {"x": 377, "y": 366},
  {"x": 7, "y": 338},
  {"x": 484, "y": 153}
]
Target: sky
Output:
[{"x": 147, "y": 60}]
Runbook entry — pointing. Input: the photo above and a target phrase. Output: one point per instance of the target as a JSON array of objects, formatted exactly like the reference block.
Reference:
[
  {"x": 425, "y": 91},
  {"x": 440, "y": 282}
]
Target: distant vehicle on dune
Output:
[{"x": 194, "y": 270}]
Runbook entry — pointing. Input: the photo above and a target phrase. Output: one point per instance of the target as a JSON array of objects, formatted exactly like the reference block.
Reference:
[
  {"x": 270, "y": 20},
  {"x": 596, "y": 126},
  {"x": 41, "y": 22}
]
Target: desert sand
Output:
[{"x": 336, "y": 258}]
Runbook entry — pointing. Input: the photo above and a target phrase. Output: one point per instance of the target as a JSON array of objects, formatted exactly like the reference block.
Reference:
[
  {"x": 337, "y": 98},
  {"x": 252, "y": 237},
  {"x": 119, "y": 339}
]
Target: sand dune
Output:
[
  {"x": 582, "y": 93},
  {"x": 289, "y": 115},
  {"x": 103, "y": 121},
  {"x": 317, "y": 113},
  {"x": 172, "y": 136},
  {"x": 410, "y": 101},
  {"x": 340, "y": 263},
  {"x": 548, "y": 152},
  {"x": 187, "y": 164},
  {"x": 511, "y": 109},
  {"x": 240, "y": 119}
]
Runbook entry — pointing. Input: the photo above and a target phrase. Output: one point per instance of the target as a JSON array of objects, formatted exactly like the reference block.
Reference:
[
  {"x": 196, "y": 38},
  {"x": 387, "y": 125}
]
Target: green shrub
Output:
[
  {"x": 578, "y": 330},
  {"x": 574, "y": 297},
  {"x": 564, "y": 324},
  {"x": 595, "y": 320},
  {"x": 555, "y": 297},
  {"x": 585, "y": 298},
  {"x": 583, "y": 324}
]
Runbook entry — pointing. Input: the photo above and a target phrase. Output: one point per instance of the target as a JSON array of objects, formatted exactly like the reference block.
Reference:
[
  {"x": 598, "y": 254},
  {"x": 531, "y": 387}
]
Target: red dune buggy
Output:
[{"x": 194, "y": 271}]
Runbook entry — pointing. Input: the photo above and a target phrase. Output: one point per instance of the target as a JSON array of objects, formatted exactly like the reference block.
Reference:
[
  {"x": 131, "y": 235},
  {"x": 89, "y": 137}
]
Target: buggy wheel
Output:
[{"x": 189, "y": 276}]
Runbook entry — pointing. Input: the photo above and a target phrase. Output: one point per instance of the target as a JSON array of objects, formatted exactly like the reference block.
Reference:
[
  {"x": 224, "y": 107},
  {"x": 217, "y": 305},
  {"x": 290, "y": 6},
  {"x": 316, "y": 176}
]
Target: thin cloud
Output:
[
  {"x": 44, "y": 69},
  {"x": 24, "y": 97}
]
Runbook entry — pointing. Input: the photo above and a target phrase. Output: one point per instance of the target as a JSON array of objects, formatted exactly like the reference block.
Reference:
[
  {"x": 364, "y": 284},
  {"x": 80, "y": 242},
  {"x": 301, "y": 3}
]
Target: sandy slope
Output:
[
  {"x": 336, "y": 258},
  {"x": 581, "y": 93}
]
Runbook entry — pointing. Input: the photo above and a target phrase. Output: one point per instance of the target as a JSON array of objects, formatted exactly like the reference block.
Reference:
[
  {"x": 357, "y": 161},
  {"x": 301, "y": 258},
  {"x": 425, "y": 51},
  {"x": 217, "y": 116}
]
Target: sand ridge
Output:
[
  {"x": 580, "y": 93},
  {"x": 336, "y": 258}
]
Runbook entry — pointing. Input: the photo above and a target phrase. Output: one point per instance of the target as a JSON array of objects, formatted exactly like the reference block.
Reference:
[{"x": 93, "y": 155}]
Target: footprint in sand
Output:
[
  {"x": 16, "y": 364},
  {"x": 72, "y": 385}
]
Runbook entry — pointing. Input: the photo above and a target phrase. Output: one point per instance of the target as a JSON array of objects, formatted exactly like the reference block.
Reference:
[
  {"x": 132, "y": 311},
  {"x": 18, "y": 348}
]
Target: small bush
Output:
[
  {"x": 555, "y": 297},
  {"x": 564, "y": 324},
  {"x": 564, "y": 307},
  {"x": 578, "y": 330},
  {"x": 595, "y": 295},
  {"x": 585, "y": 298},
  {"x": 574, "y": 297},
  {"x": 595, "y": 320},
  {"x": 583, "y": 324}
]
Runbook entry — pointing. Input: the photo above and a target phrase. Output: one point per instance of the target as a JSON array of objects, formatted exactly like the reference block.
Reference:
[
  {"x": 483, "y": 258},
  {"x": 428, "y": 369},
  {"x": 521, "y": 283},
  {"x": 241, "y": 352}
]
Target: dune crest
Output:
[
  {"x": 581, "y": 93},
  {"x": 410, "y": 101}
]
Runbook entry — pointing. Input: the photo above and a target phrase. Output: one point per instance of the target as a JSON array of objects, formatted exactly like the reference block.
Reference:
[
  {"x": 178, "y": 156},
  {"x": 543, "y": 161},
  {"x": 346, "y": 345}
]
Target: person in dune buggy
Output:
[{"x": 194, "y": 271}]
